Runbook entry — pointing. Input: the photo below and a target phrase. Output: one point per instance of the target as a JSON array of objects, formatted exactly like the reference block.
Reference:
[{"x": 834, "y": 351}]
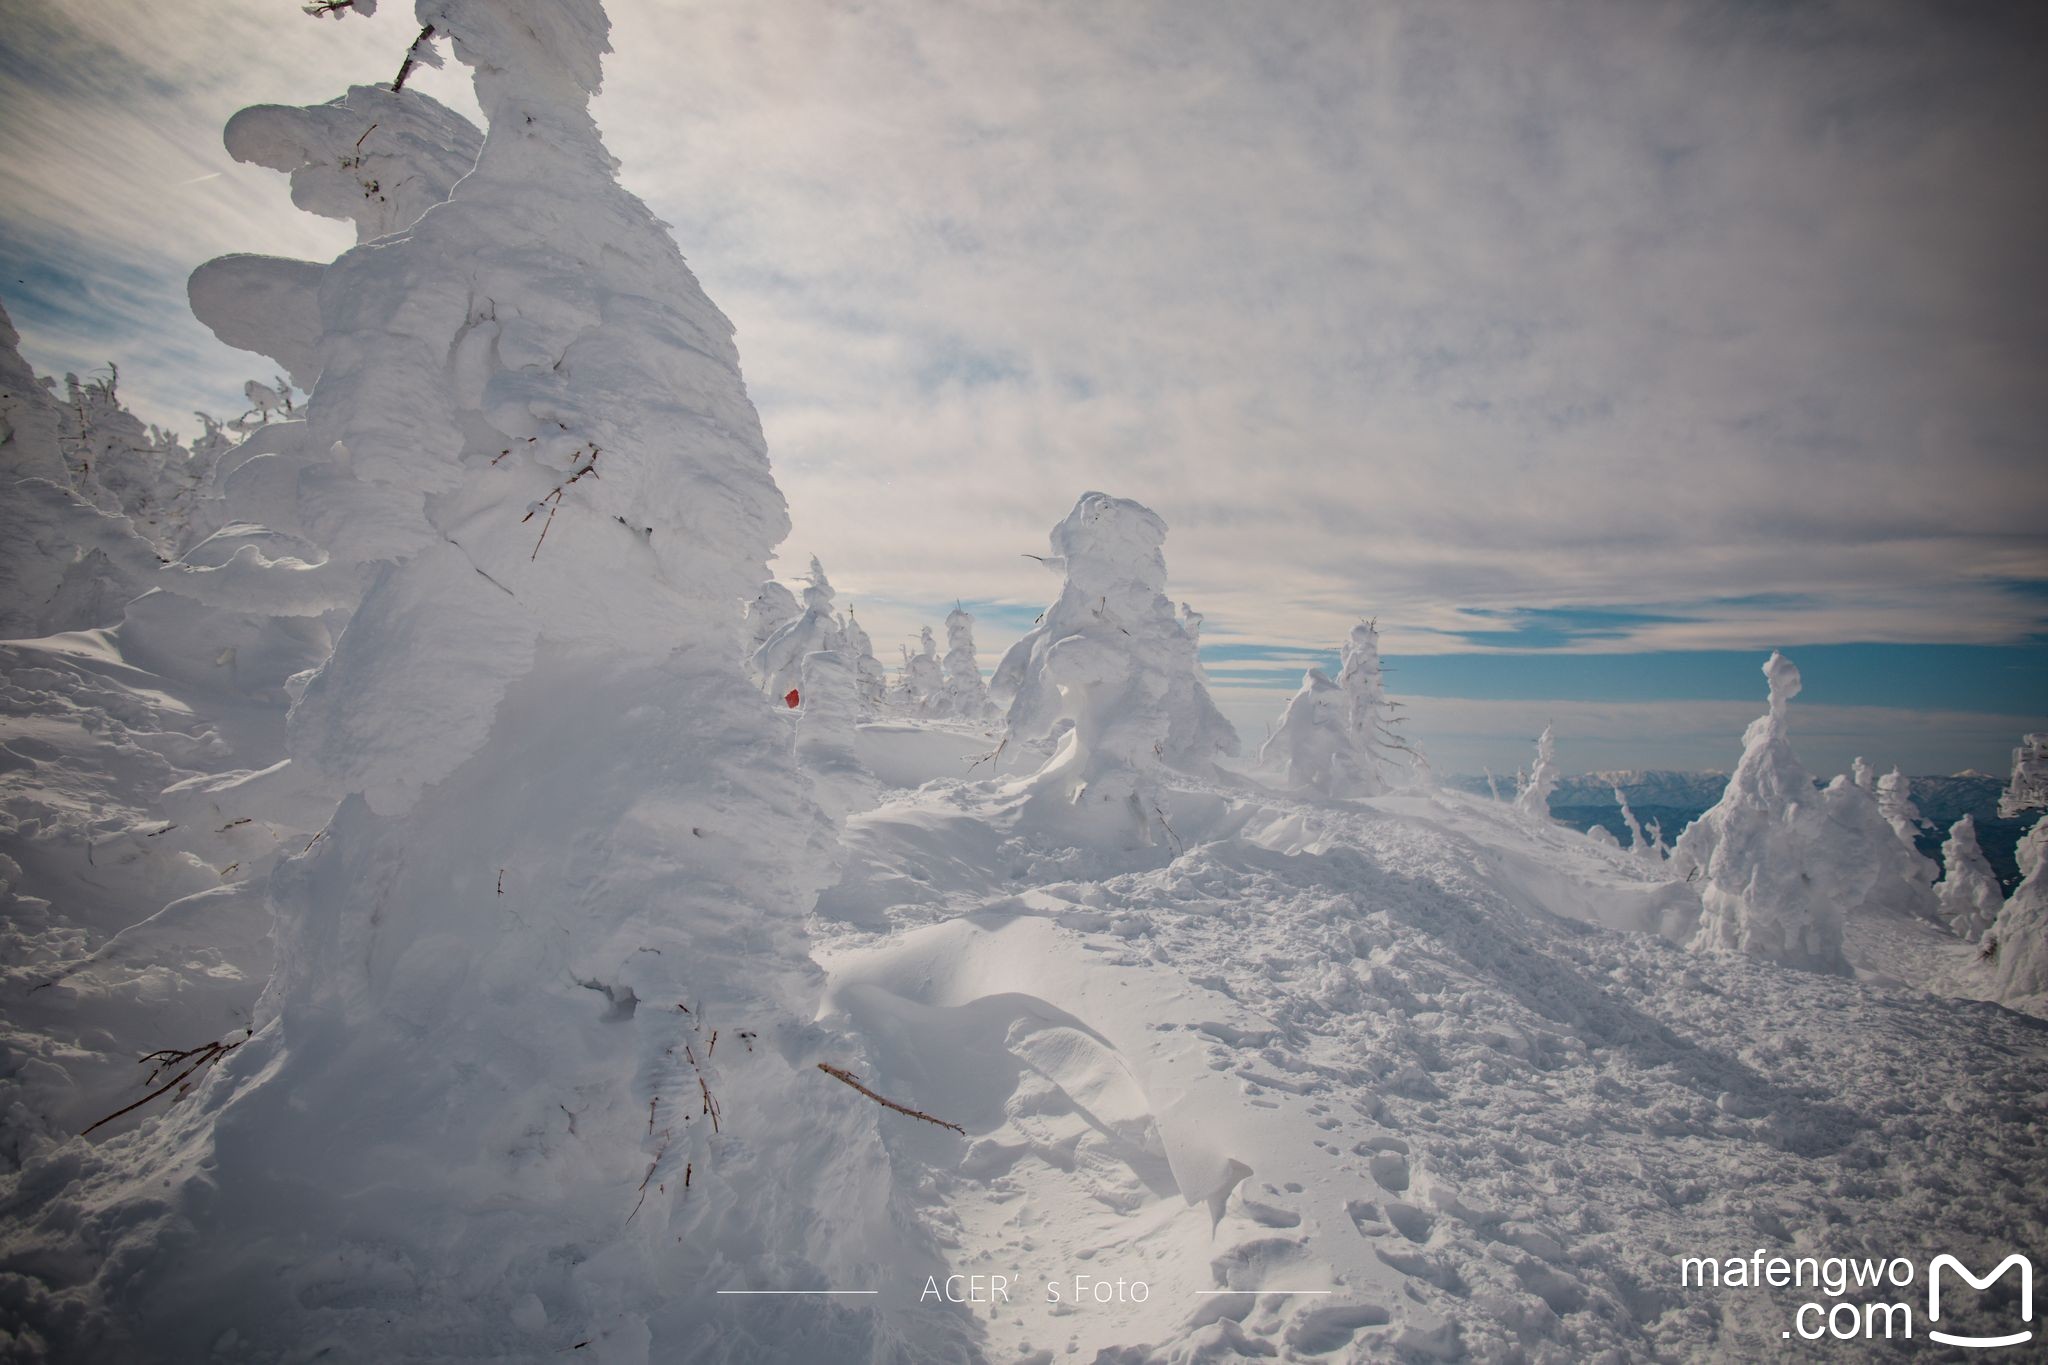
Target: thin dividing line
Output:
[
  {"x": 1204, "y": 1293},
  {"x": 799, "y": 1291}
]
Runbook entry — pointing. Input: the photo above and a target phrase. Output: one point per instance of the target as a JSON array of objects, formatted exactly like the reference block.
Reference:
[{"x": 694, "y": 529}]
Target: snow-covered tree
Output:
[
  {"x": 1863, "y": 774},
  {"x": 1534, "y": 797},
  {"x": 2028, "y": 788},
  {"x": 921, "y": 682},
  {"x": 120, "y": 464},
  {"x": 1968, "y": 891},
  {"x": 1904, "y": 877},
  {"x": 780, "y": 659},
  {"x": 827, "y": 733},
  {"x": 2017, "y": 944},
  {"x": 374, "y": 157},
  {"x": 70, "y": 559},
  {"x": 377, "y": 157},
  {"x": 963, "y": 694},
  {"x": 1648, "y": 848},
  {"x": 1773, "y": 883},
  {"x": 1196, "y": 732},
  {"x": 1424, "y": 776},
  {"x": 533, "y": 438},
  {"x": 1312, "y": 750},
  {"x": 1127, "y": 644},
  {"x": 772, "y": 608},
  {"x": 1334, "y": 736},
  {"x": 870, "y": 680},
  {"x": 1370, "y": 714},
  {"x": 1102, "y": 676},
  {"x": 1895, "y": 801}
]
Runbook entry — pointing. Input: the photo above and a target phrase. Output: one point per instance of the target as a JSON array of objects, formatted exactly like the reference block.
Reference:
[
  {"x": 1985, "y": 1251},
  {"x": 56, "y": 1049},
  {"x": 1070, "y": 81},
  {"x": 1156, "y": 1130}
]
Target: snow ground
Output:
[
  {"x": 1437, "y": 1069},
  {"x": 1393, "y": 1050}
]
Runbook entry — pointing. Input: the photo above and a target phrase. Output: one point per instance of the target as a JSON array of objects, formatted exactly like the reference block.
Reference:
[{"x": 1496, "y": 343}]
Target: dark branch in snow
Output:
[
  {"x": 412, "y": 56},
  {"x": 165, "y": 1059},
  {"x": 850, "y": 1079}
]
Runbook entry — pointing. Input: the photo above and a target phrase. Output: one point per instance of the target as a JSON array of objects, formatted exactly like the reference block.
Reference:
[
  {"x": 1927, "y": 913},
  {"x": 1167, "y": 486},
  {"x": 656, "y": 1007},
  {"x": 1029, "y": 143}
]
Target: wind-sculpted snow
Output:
[{"x": 1383, "y": 1054}]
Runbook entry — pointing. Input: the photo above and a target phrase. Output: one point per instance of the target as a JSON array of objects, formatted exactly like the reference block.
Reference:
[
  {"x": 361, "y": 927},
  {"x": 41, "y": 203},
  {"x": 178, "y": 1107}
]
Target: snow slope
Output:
[{"x": 1442, "y": 1061}]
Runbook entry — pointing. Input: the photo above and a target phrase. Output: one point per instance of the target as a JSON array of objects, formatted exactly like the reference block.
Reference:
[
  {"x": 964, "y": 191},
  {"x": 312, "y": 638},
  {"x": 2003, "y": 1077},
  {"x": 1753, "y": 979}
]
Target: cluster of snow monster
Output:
[{"x": 1108, "y": 686}]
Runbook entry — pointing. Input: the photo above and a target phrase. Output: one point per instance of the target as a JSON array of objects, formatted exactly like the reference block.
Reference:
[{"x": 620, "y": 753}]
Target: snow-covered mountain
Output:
[{"x": 1942, "y": 798}]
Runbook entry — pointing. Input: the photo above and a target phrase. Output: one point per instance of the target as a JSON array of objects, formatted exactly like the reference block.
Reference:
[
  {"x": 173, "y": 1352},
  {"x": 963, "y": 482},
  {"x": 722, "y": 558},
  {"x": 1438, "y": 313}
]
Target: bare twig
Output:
[
  {"x": 849, "y": 1078},
  {"x": 412, "y": 57},
  {"x": 165, "y": 1059}
]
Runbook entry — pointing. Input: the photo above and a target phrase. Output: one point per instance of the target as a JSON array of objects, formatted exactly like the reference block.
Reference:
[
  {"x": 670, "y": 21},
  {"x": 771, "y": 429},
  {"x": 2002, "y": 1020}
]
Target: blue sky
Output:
[{"x": 1594, "y": 347}]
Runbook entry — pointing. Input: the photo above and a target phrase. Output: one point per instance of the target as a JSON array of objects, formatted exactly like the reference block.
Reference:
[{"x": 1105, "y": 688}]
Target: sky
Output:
[{"x": 1593, "y": 349}]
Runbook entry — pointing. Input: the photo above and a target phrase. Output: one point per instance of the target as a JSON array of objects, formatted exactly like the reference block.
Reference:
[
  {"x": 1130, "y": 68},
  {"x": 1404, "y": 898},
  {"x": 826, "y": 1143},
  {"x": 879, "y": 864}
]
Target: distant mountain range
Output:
[{"x": 1675, "y": 799}]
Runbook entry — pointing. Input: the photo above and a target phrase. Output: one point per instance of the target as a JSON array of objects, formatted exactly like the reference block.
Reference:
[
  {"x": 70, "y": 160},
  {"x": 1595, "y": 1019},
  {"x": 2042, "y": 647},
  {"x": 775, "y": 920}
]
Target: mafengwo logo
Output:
[
  {"x": 1855, "y": 1306},
  {"x": 1946, "y": 1262}
]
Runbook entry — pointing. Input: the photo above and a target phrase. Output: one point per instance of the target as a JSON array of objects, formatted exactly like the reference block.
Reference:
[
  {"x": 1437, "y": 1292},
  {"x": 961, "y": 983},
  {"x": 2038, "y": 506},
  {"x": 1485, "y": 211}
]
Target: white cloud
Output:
[{"x": 1398, "y": 308}]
